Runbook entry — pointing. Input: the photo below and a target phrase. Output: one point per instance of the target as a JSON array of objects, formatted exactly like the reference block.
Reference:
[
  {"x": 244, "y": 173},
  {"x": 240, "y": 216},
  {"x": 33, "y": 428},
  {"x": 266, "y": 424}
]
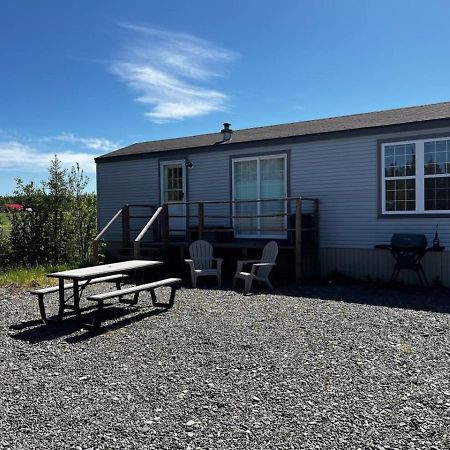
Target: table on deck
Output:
[{"x": 89, "y": 273}]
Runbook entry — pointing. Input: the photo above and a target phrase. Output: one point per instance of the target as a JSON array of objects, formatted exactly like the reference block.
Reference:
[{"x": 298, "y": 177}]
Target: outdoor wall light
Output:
[{"x": 189, "y": 164}]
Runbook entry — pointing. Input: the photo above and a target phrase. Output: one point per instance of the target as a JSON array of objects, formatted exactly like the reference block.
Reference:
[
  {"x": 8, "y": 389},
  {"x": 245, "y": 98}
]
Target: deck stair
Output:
[
  {"x": 148, "y": 230},
  {"x": 147, "y": 251}
]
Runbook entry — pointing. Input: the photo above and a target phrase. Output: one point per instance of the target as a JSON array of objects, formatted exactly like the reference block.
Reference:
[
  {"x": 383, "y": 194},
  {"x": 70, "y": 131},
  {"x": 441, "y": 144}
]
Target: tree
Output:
[
  {"x": 57, "y": 193},
  {"x": 61, "y": 221},
  {"x": 81, "y": 218}
]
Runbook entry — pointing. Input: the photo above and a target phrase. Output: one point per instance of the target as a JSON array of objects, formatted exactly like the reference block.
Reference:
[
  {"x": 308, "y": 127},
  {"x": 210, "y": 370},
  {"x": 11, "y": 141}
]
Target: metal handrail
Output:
[
  {"x": 137, "y": 241},
  {"x": 99, "y": 235},
  {"x": 148, "y": 224}
]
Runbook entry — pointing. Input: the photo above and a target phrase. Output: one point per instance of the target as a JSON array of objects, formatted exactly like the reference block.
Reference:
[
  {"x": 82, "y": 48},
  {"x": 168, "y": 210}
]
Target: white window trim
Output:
[
  {"x": 257, "y": 158},
  {"x": 419, "y": 177}
]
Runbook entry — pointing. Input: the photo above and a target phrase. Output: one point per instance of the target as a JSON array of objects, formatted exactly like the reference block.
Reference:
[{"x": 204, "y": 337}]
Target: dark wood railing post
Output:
[
  {"x": 317, "y": 235},
  {"x": 188, "y": 222},
  {"x": 201, "y": 219},
  {"x": 137, "y": 249},
  {"x": 126, "y": 226},
  {"x": 165, "y": 231},
  {"x": 298, "y": 240},
  {"x": 95, "y": 257}
]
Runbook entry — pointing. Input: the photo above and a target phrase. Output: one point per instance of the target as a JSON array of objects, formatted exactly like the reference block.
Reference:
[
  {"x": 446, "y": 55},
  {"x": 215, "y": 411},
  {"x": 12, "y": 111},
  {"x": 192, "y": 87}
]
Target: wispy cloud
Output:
[
  {"x": 20, "y": 157},
  {"x": 99, "y": 144},
  {"x": 33, "y": 154},
  {"x": 171, "y": 72}
]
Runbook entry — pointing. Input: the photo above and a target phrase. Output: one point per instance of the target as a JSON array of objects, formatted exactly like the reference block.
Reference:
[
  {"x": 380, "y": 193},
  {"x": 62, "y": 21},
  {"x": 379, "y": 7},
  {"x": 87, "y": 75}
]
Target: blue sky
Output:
[{"x": 81, "y": 78}]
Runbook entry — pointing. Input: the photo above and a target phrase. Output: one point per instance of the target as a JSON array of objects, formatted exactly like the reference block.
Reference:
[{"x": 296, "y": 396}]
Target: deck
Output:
[{"x": 293, "y": 222}]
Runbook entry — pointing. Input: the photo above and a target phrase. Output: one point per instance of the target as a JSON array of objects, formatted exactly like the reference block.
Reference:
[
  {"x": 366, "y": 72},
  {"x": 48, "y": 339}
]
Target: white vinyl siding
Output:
[
  {"x": 125, "y": 182},
  {"x": 341, "y": 173}
]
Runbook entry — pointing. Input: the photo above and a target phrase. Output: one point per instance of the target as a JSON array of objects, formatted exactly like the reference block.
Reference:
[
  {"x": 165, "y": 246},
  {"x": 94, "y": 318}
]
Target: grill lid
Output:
[{"x": 409, "y": 240}]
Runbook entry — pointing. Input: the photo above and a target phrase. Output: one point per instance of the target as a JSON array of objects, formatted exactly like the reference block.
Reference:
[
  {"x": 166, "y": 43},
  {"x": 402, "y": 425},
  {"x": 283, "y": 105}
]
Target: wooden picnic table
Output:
[{"x": 89, "y": 273}]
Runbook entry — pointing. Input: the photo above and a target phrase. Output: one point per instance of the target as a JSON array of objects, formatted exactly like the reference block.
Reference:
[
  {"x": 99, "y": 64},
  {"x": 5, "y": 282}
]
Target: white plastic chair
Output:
[
  {"x": 260, "y": 267},
  {"x": 201, "y": 262}
]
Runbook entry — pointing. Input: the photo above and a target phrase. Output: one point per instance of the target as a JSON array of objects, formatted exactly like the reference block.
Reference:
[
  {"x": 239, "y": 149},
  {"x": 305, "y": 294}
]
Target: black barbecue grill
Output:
[{"x": 408, "y": 251}]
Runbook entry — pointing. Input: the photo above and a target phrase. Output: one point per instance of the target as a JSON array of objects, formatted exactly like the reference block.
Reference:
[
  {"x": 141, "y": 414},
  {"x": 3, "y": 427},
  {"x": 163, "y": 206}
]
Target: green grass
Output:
[
  {"x": 5, "y": 224},
  {"x": 30, "y": 277}
]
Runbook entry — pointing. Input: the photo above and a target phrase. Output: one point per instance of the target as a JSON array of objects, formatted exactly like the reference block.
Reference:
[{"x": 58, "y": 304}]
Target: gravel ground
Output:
[{"x": 316, "y": 367}]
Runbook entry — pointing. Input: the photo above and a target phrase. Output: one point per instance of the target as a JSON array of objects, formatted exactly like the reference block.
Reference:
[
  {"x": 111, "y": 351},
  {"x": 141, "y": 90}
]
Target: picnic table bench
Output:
[
  {"x": 173, "y": 283},
  {"x": 83, "y": 284}
]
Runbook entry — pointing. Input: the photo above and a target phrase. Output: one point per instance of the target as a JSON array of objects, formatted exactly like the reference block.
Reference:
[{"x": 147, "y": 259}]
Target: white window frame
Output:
[
  {"x": 258, "y": 159},
  {"x": 419, "y": 177}
]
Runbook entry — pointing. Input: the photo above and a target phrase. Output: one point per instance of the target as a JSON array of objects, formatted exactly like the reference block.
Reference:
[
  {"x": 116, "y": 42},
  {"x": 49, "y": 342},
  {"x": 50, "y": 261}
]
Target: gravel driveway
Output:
[{"x": 318, "y": 367}]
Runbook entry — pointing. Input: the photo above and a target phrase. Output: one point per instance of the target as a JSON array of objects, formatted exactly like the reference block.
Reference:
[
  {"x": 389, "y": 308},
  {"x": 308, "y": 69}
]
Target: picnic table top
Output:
[{"x": 103, "y": 269}]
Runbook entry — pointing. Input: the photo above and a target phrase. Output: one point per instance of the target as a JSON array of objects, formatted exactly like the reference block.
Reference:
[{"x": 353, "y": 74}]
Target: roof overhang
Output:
[{"x": 343, "y": 134}]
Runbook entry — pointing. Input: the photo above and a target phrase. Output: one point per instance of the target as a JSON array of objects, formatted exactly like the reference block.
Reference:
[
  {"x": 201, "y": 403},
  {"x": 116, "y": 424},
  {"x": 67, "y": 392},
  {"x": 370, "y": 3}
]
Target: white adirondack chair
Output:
[
  {"x": 260, "y": 267},
  {"x": 201, "y": 262}
]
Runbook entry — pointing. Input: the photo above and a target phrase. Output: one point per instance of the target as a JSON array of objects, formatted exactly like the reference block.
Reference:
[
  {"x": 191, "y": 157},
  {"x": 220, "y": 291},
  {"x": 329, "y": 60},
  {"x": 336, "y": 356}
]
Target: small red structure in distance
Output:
[{"x": 15, "y": 206}]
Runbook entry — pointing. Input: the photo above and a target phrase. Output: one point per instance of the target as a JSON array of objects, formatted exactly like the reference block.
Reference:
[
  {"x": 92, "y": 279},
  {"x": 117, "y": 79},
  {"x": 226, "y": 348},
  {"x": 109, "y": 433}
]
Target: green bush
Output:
[
  {"x": 60, "y": 220},
  {"x": 5, "y": 248}
]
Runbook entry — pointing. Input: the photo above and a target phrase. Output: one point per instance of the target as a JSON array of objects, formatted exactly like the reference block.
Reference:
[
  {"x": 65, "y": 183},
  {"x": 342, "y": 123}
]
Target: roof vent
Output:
[{"x": 226, "y": 132}]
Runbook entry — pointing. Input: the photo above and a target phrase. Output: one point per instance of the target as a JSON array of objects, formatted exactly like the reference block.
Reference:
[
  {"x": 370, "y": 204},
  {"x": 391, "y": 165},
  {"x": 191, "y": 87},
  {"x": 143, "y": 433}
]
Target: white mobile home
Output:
[{"x": 361, "y": 178}]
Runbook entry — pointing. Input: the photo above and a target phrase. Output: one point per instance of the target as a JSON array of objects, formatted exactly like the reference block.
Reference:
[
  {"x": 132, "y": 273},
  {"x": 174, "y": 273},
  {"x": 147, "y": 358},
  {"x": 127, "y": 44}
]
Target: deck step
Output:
[{"x": 145, "y": 252}]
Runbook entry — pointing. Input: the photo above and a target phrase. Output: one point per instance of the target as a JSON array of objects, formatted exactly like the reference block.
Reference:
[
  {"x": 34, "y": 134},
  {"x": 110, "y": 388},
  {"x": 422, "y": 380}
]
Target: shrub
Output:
[
  {"x": 60, "y": 220},
  {"x": 5, "y": 249}
]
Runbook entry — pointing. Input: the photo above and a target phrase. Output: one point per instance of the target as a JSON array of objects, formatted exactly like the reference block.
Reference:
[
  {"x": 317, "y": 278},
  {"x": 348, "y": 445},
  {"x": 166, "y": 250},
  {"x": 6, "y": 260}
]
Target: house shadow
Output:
[
  {"x": 114, "y": 324},
  {"x": 417, "y": 298},
  {"x": 117, "y": 316},
  {"x": 397, "y": 295}
]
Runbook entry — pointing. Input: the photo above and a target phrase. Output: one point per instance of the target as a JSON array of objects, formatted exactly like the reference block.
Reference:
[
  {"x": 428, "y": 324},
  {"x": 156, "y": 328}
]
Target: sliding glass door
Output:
[{"x": 260, "y": 178}]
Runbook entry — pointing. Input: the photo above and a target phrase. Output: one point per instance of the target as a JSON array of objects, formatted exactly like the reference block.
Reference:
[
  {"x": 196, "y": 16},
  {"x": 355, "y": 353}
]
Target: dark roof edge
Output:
[{"x": 382, "y": 129}]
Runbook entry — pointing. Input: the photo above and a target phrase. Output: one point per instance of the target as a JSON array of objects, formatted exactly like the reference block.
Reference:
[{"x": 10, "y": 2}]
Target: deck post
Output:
[
  {"x": 95, "y": 252},
  {"x": 317, "y": 235},
  {"x": 126, "y": 226},
  {"x": 298, "y": 240},
  {"x": 188, "y": 222},
  {"x": 137, "y": 249},
  {"x": 201, "y": 219},
  {"x": 165, "y": 231}
]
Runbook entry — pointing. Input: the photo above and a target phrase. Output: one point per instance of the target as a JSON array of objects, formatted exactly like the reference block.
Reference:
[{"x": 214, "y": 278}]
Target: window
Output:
[
  {"x": 259, "y": 178},
  {"x": 173, "y": 183},
  {"x": 437, "y": 175},
  {"x": 400, "y": 177},
  {"x": 416, "y": 177}
]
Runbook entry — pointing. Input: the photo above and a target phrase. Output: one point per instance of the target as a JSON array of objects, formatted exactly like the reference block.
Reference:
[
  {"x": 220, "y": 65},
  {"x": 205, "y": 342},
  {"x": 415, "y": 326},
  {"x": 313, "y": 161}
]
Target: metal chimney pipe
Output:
[{"x": 226, "y": 131}]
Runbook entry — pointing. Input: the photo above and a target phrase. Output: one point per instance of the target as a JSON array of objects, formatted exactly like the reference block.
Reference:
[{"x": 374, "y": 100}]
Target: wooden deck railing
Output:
[
  {"x": 296, "y": 211},
  {"x": 124, "y": 211},
  {"x": 293, "y": 207}
]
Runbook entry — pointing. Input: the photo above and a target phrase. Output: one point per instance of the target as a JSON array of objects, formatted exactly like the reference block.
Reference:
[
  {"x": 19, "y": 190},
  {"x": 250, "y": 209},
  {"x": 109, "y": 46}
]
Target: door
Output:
[
  {"x": 173, "y": 192},
  {"x": 260, "y": 178}
]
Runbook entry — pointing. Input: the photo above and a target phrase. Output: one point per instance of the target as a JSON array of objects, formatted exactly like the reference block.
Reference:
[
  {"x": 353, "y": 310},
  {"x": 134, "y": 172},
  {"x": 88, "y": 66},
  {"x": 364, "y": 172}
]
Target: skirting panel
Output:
[{"x": 365, "y": 263}]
